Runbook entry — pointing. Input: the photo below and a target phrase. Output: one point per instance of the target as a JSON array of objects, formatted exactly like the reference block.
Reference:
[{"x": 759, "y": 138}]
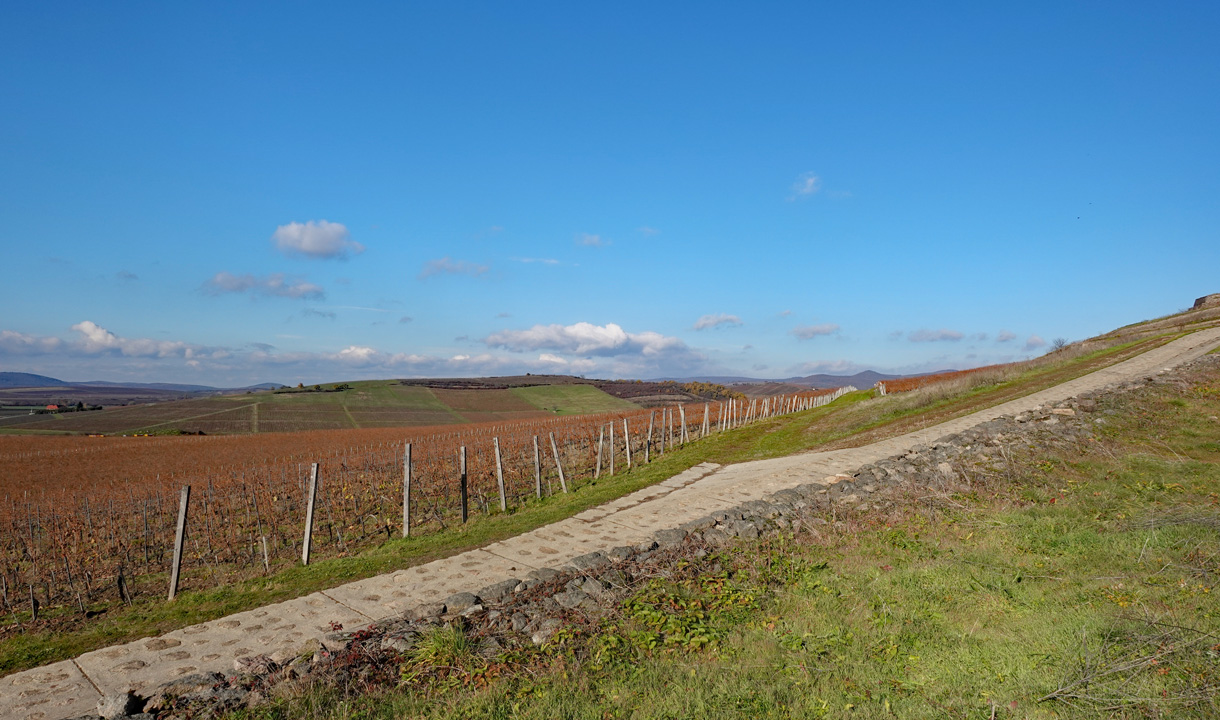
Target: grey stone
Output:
[
  {"x": 543, "y": 574},
  {"x": 399, "y": 643},
  {"x": 117, "y": 706},
  {"x": 498, "y": 591},
  {"x": 646, "y": 546},
  {"x": 698, "y": 524},
  {"x": 570, "y": 599},
  {"x": 590, "y": 561},
  {"x": 457, "y": 602},
  {"x": 620, "y": 553},
  {"x": 427, "y": 610},
  {"x": 519, "y": 620},
  {"x": 545, "y": 630},
  {"x": 669, "y": 538},
  {"x": 748, "y": 531}
]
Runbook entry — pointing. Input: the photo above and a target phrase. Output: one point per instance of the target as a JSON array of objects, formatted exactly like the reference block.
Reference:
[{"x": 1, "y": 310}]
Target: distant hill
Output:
[
  {"x": 22, "y": 380},
  {"x": 861, "y": 380},
  {"x": 30, "y": 380}
]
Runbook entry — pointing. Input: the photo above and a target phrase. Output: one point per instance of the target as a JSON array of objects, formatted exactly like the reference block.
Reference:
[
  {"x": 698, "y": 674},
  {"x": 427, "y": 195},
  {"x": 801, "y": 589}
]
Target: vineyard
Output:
[
  {"x": 908, "y": 384},
  {"x": 100, "y": 522}
]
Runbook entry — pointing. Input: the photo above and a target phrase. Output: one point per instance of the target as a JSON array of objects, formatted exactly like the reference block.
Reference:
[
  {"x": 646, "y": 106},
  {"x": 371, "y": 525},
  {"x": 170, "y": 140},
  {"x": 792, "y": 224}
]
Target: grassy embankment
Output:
[
  {"x": 66, "y": 633},
  {"x": 1062, "y": 580}
]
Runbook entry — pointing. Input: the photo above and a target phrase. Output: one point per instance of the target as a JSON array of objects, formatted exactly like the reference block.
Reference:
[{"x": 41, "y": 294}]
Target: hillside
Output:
[{"x": 367, "y": 404}]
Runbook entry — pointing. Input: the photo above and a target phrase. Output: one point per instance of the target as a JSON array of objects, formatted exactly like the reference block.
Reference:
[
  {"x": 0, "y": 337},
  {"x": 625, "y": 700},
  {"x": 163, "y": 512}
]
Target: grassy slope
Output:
[
  {"x": 571, "y": 399},
  {"x": 1058, "y": 565}
]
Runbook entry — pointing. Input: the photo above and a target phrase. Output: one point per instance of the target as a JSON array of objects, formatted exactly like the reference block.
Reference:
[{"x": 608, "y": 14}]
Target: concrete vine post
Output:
[
  {"x": 611, "y": 448},
  {"x": 627, "y": 443},
  {"x": 462, "y": 483},
  {"x": 406, "y": 492},
  {"x": 309, "y": 506},
  {"x": 500, "y": 476},
  {"x": 537, "y": 470},
  {"x": 179, "y": 538},
  {"x": 682, "y": 436},
  {"x": 648, "y": 443},
  {"x": 601, "y": 435},
  {"x": 559, "y": 465}
]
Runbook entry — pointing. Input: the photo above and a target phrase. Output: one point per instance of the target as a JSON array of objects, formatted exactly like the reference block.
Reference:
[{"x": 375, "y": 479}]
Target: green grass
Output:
[
  {"x": 1067, "y": 565},
  {"x": 571, "y": 399}
]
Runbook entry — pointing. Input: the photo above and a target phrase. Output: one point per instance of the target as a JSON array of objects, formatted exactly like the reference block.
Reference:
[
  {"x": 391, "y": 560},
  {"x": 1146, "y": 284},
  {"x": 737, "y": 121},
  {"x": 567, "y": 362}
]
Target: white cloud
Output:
[
  {"x": 316, "y": 239},
  {"x": 1005, "y": 336},
  {"x": 808, "y": 332},
  {"x": 806, "y": 184},
  {"x": 15, "y": 343},
  {"x": 829, "y": 367},
  {"x": 1033, "y": 343},
  {"x": 448, "y": 266},
  {"x": 585, "y": 339},
  {"x": 97, "y": 340},
  {"x": 717, "y": 320},
  {"x": 591, "y": 240},
  {"x": 785, "y": 313},
  {"x": 941, "y": 335},
  {"x": 405, "y": 319},
  {"x": 647, "y": 231},
  {"x": 314, "y": 312},
  {"x": 542, "y": 261},
  {"x": 275, "y": 284}
]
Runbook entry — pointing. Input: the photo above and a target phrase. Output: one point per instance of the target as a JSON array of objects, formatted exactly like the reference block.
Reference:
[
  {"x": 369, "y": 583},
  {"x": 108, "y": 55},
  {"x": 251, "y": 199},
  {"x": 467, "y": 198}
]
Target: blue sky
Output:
[{"x": 239, "y": 193}]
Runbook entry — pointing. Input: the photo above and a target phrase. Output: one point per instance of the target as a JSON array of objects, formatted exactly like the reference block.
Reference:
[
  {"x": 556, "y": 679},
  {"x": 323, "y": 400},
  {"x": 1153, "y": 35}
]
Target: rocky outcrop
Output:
[{"x": 1207, "y": 301}]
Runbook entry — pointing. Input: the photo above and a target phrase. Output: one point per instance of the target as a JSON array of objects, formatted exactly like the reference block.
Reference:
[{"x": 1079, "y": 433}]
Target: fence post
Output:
[
  {"x": 179, "y": 538},
  {"x": 462, "y": 484},
  {"x": 406, "y": 492},
  {"x": 601, "y": 436},
  {"x": 537, "y": 470},
  {"x": 703, "y": 430},
  {"x": 627, "y": 442},
  {"x": 500, "y": 476},
  {"x": 682, "y": 412},
  {"x": 559, "y": 466},
  {"x": 648, "y": 445},
  {"x": 313, "y": 497},
  {"x": 611, "y": 448},
  {"x": 266, "y": 556}
]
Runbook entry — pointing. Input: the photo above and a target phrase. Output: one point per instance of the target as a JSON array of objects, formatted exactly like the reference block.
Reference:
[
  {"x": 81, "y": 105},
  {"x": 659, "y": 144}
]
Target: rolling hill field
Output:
[{"x": 368, "y": 404}]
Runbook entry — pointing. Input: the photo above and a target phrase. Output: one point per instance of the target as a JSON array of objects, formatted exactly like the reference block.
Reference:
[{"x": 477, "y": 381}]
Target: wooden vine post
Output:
[
  {"x": 309, "y": 506},
  {"x": 179, "y": 538}
]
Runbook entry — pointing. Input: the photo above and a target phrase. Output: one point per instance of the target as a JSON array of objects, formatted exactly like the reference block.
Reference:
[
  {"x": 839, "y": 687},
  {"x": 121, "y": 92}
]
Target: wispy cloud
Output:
[
  {"x": 541, "y": 261},
  {"x": 785, "y": 313},
  {"x": 1005, "y": 336},
  {"x": 717, "y": 320},
  {"x": 1033, "y": 343},
  {"x": 448, "y": 266},
  {"x": 647, "y": 231},
  {"x": 314, "y": 312},
  {"x": 316, "y": 239},
  {"x": 591, "y": 240},
  {"x": 405, "y": 319},
  {"x": 809, "y": 332},
  {"x": 806, "y": 184},
  {"x": 276, "y": 284},
  {"x": 126, "y": 276},
  {"x": 942, "y": 335}
]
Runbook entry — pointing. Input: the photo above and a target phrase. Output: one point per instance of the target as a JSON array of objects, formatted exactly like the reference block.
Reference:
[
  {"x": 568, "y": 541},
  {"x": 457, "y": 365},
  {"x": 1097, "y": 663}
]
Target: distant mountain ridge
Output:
[{"x": 30, "y": 380}]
